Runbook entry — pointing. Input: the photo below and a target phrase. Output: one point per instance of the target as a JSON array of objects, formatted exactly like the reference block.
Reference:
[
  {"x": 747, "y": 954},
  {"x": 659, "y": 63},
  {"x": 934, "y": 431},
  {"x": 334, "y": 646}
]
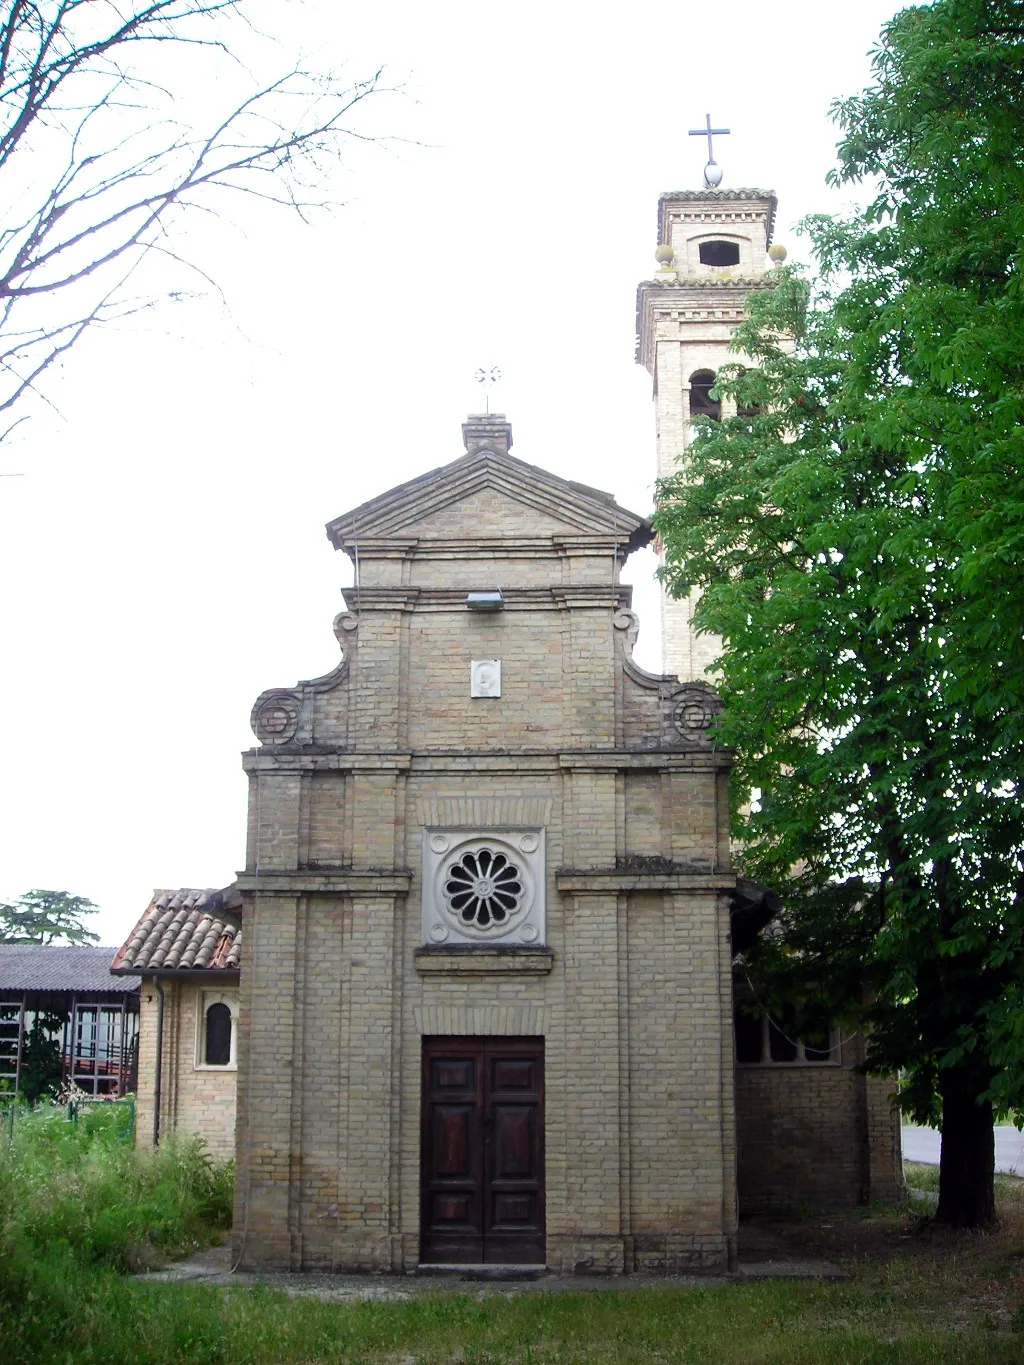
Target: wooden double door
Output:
[{"x": 482, "y": 1154}]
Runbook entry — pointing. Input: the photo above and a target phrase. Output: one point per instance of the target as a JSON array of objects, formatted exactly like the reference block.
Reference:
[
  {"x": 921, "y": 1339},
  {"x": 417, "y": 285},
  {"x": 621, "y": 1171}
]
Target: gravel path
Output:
[{"x": 767, "y": 1259}]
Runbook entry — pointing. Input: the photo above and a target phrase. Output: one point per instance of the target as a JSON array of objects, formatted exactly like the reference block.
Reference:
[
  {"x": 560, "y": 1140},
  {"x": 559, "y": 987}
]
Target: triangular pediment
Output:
[
  {"x": 477, "y": 514},
  {"x": 489, "y": 495}
]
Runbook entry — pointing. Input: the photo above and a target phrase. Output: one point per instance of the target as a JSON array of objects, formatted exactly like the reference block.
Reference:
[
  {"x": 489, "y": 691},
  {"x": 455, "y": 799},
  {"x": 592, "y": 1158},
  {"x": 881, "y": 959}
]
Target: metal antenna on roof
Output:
[{"x": 487, "y": 380}]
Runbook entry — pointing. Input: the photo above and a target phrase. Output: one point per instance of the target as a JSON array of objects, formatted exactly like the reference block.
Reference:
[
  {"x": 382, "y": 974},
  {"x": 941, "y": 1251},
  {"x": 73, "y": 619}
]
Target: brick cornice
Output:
[
  {"x": 704, "y": 298},
  {"x": 545, "y": 598},
  {"x": 481, "y": 761},
  {"x": 717, "y": 206},
  {"x": 342, "y": 883},
  {"x": 573, "y": 881},
  {"x": 700, "y": 284}
]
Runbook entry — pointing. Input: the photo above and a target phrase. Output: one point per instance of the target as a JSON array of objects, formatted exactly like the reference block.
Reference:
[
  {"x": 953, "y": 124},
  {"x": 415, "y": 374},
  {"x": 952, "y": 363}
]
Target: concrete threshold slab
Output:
[{"x": 485, "y": 1272}]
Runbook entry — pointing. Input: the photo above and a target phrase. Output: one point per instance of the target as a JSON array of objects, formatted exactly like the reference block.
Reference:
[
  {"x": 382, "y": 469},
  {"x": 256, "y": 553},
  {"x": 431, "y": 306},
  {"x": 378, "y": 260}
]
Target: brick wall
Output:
[
  {"x": 631, "y": 1002},
  {"x": 193, "y": 1098},
  {"x": 687, "y": 318},
  {"x": 815, "y": 1136}
]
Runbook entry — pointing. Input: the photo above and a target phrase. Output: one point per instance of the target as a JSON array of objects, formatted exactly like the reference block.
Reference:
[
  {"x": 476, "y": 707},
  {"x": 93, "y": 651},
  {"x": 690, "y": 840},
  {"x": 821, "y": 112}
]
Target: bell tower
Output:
[{"x": 713, "y": 249}]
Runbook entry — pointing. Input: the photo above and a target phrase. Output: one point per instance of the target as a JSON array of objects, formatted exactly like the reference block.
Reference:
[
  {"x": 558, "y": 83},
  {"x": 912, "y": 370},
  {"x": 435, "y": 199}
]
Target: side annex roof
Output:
[{"x": 189, "y": 930}]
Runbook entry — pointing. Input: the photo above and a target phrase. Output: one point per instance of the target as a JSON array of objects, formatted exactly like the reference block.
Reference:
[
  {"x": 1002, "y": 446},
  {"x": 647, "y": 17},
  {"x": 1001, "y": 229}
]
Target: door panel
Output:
[
  {"x": 453, "y": 1139},
  {"x": 514, "y": 1140},
  {"x": 482, "y": 1158},
  {"x": 452, "y": 1075},
  {"x": 452, "y": 1213}
]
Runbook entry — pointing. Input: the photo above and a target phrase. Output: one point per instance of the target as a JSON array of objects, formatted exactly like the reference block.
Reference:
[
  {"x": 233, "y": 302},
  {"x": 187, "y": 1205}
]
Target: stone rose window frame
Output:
[{"x": 484, "y": 887}]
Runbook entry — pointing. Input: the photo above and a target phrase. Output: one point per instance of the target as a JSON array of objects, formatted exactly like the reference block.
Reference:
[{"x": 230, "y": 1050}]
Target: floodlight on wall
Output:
[{"x": 486, "y": 601}]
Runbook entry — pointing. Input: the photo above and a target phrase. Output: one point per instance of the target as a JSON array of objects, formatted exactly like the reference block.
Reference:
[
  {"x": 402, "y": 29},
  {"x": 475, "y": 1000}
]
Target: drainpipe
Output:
[{"x": 159, "y": 1058}]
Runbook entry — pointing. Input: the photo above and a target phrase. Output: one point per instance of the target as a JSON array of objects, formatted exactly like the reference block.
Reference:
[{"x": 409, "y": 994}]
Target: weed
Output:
[{"x": 78, "y": 1187}]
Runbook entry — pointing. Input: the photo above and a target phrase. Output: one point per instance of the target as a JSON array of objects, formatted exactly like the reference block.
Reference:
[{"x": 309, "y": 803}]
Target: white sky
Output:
[{"x": 163, "y": 558}]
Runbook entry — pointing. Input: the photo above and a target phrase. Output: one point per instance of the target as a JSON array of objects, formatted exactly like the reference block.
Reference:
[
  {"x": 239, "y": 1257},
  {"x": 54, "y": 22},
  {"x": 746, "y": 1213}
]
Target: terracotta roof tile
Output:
[{"x": 192, "y": 929}]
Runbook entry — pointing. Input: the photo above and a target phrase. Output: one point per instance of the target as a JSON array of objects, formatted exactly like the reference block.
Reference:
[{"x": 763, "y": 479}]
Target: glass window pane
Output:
[
  {"x": 748, "y": 1037},
  {"x": 781, "y": 1048},
  {"x": 218, "y": 1035}
]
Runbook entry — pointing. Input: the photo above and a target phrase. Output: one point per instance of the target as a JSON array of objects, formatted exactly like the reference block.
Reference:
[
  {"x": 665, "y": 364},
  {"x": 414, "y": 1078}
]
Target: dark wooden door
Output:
[{"x": 482, "y": 1195}]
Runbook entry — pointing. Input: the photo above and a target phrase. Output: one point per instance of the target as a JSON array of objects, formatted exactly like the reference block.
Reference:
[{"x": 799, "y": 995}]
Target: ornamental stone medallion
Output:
[
  {"x": 275, "y": 719},
  {"x": 694, "y": 708},
  {"x": 483, "y": 887}
]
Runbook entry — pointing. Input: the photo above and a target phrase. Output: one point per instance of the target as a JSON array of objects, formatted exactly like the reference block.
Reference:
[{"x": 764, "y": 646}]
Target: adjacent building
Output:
[{"x": 184, "y": 957}]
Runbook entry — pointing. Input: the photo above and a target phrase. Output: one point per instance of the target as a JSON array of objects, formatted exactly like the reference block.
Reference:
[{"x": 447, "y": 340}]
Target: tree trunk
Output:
[{"x": 967, "y": 1157}]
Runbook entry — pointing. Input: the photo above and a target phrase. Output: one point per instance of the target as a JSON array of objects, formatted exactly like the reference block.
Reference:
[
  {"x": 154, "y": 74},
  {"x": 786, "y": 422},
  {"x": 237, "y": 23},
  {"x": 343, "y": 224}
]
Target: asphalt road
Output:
[{"x": 922, "y": 1144}]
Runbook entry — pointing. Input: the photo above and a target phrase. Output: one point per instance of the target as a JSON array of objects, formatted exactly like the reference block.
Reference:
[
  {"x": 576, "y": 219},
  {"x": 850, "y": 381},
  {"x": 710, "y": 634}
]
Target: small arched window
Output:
[
  {"x": 218, "y": 1035},
  {"x": 719, "y": 253},
  {"x": 701, "y": 402}
]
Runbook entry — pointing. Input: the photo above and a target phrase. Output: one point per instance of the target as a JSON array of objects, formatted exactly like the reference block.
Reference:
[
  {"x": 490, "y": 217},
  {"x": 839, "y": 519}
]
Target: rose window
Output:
[{"x": 483, "y": 888}]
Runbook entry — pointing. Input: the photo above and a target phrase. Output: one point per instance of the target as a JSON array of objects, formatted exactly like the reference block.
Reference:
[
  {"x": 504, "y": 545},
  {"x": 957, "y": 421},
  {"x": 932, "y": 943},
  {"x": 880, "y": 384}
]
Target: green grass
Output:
[
  {"x": 926, "y": 1177},
  {"x": 921, "y": 1177},
  {"x": 78, "y": 1208},
  {"x": 810, "y": 1324}
]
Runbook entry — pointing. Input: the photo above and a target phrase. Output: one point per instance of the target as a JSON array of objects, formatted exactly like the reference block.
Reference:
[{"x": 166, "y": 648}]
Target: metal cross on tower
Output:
[
  {"x": 712, "y": 171},
  {"x": 487, "y": 378}
]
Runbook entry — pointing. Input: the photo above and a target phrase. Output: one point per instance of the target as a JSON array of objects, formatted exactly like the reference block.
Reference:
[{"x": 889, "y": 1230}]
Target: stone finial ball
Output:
[
  {"x": 777, "y": 252},
  {"x": 664, "y": 255}
]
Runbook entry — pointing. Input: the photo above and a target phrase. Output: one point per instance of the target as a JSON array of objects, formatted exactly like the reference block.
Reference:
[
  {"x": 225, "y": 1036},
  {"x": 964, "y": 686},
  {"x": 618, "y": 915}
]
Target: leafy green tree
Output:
[
  {"x": 42, "y": 1063},
  {"x": 858, "y": 543},
  {"x": 47, "y": 917}
]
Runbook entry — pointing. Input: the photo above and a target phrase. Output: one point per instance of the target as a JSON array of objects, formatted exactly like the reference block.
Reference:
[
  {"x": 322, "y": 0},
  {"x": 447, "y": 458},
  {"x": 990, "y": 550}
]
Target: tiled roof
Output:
[
  {"x": 185, "y": 931},
  {"x": 73, "y": 969}
]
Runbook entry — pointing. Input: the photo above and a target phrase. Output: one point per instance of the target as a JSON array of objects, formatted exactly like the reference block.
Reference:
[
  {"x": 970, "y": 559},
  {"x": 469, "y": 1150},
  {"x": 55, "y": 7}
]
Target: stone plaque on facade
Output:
[{"x": 485, "y": 678}]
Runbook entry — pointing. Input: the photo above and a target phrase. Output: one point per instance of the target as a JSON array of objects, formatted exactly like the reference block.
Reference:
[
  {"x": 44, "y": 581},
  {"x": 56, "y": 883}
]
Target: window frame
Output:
[
  {"x": 207, "y": 999},
  {"x": 835, "y": 1048}
]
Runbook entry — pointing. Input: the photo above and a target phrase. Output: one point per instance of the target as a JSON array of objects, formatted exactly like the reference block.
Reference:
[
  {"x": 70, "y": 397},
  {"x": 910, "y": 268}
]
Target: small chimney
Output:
[{"x": 487, "y": 431}]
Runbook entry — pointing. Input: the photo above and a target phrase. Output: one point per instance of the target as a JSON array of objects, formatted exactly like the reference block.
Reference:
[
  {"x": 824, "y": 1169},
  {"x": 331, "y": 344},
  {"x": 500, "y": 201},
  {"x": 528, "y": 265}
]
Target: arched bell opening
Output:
[
  {"x": 719, "y": 253},
  {"x": 701, "y": 402}
]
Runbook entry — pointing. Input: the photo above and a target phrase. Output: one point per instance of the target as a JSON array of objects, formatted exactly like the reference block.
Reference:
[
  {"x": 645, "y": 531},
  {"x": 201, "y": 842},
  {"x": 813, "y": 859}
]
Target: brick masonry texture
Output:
[
  {"x": 193, "y": 1099},
  {"x": 686, "y": 318},
  {"x": 816, "y": 1136},
  {"x": 634, "y": 995}
]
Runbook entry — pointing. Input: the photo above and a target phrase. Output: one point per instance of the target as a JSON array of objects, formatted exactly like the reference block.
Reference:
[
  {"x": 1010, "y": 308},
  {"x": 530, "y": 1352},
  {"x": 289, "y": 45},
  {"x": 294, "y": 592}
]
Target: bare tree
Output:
[{"x": 118, "y": 117}]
